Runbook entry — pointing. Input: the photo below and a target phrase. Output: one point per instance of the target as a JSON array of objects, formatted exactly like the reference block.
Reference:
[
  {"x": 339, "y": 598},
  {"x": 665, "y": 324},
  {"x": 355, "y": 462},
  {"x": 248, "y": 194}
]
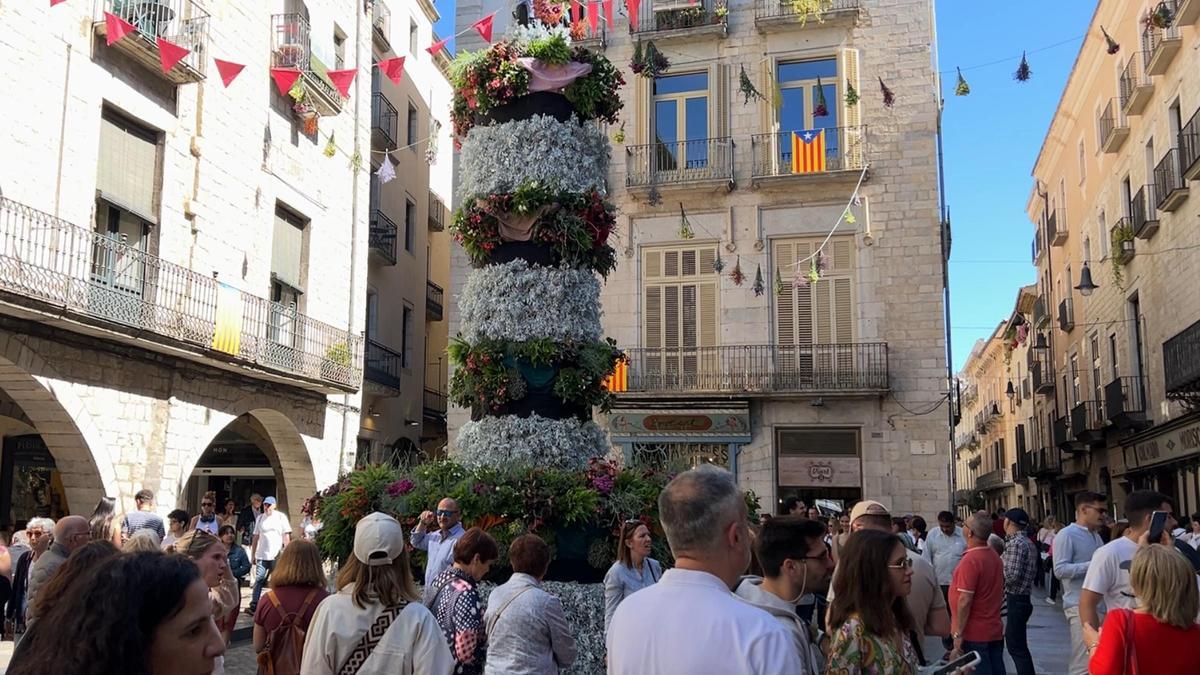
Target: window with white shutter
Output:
[
  {"x": 814, "y": 323},
  {"x": 679, "y": 315}
]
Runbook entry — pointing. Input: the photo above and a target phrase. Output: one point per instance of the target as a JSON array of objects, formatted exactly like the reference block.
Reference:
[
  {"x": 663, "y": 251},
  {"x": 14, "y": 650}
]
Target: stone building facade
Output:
[
  {"x": 834, "y": 389},
  {"x": 1117, "y": 409},
  {"x": 182, "y": 269}
]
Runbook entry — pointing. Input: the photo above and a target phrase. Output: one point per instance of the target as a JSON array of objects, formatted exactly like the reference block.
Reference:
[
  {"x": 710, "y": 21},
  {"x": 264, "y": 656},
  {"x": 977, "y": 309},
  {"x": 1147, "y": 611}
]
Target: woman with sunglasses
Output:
[
  {"x": 207, "y": 519},
  {"x": 633, "y": 570},
  {"x": 869, "y": 619}
]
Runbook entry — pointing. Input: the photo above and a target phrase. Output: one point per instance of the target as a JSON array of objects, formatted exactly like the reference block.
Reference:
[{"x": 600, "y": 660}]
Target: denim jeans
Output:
[
  {"x": 1015, "y": 638},
  {"x": 262, "y": 572},
  {"x": 991, "y": 656}
]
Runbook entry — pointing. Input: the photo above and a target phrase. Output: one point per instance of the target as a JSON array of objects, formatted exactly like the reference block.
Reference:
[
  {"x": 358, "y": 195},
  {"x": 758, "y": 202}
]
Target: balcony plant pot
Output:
[
  {"x": 538, "y": 103},
  {"x": 531, "y": 252}
]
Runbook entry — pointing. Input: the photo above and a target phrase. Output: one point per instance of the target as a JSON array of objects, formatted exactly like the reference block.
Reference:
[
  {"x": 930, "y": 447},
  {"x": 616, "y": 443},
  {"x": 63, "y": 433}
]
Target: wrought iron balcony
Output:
[
  {"x": 1088, "y": 422},
  {"x": 381, "y": 23},
  {"x": 994, "y": 479},
  {"x": 1189, "y": 146},
  {"x": 51, "y": 266},
  {"x": 1113, "y": 127},
  {"x": 291, "y": 48},
  {"x": 384, "y": 122},
  {"x": 181, "y": 22},
  {"x": 1062, "y": 436},
  {"x": 851, "y": 368},
  {"x": 434, "y": 404},
  {"x": 1040, "y": 371},
  {"x": 433, "y": 301},
  {"x": 1181, "y": 364},
  {"x": 665, "y": 20},
  {"x": 1044, "y": 463},
  {"x": 1125, "y": 402},
  {"x": 962, "y": 497},
  {"x": 595, "y": 41},
  {"x": 1040, "y": 317},
  {"x": 1161, "y": 44},
  {"x": 1021, "y": 466},
  {"x": 1137, "y": 88},
  {"x": 703, "y": 162},
  {"x": 437, "y": 213},
  {"x": 1066, "y": 315},
  {"x": 383, "y": 365},
  {"x": 1054, "y": 234},
  {"x": 382, "y": 237},
  {"x": 1143, "y": 216},
  {"x": 845, "y": 151},
  {"x": 1036, "y": 248},
  {"x": 782, "y": 14},
  {"x": 1169, "y": 186}
]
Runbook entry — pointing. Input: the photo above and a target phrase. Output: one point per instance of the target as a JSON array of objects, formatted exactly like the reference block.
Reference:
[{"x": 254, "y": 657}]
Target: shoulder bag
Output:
[
  {"x": 371, "y": 639},
  {"x": 496, "y": 617}
]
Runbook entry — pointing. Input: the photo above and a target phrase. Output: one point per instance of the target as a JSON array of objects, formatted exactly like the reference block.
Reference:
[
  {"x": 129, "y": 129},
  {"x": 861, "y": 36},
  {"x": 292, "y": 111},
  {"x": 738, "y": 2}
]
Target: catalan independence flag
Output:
[{"x": 808, "y": 151}]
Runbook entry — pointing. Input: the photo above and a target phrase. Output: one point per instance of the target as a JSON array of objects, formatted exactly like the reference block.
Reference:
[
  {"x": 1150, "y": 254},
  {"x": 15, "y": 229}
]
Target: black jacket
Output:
[{"x": 14, "y": 610}]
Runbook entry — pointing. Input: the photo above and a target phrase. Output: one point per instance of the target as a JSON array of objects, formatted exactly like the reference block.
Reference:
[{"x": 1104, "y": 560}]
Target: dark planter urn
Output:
[
  {"x": 546, "y": 405},
  {"x": 531, "y": 252},
  {"x": 537, "y": 103}
]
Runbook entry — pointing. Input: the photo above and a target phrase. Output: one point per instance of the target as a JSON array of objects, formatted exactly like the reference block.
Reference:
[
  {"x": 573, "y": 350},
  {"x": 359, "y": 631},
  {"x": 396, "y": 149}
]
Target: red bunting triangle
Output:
[
  {"x": 170, "y": 54},
  {"x": 632, "y": 6},
  {"x": 484, "y": 26},
  {"x": 284, "y": 79},
  {"x": 576, "y": 12},
  {"x": 116, "y": 28},
  {"x": 436, "y": 47},
  {"x": 393, "y": 68},
  {"x": 228, "y": 70},
  {"x": 56, "y": 2},
  {"x": 608, "y": 12},
  {"x": 342, "y": 79},
  {"x": 593, "y": 16}
]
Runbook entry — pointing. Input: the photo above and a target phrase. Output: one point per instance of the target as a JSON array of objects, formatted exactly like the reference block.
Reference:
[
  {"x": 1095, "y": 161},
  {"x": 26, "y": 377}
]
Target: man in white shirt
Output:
[
  {"x": 690, "y": 622},
  {"x": 272, "y": 532},
  {"x": 1107, "y": 577},
  {"x": 944, "y": 548},
  {"x": 439, "y": 545}
]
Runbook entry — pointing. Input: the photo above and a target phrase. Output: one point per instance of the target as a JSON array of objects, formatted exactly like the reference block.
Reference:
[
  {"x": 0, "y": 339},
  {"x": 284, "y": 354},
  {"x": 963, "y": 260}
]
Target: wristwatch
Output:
[{"x": 956, "y": 636}]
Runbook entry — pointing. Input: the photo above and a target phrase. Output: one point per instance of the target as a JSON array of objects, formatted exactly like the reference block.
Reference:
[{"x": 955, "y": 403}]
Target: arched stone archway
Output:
[{"x": 50, "y": 406}]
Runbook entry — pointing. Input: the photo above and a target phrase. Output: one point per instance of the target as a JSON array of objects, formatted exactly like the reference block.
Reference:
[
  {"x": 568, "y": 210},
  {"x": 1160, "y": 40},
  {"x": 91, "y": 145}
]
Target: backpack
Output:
[{"x": 282, "y": 653}]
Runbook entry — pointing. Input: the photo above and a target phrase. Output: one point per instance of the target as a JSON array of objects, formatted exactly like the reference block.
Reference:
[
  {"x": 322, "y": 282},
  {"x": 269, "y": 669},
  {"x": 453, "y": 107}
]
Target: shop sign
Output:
[
  {"x": 682, "y": 423},
  {"x": 811, "y": 471},
  {"x": 1169, "y": 446}
]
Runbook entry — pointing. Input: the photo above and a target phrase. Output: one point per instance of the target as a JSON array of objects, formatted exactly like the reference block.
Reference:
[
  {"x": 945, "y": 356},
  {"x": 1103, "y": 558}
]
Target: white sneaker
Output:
[{"x": 1050, "y": 602}]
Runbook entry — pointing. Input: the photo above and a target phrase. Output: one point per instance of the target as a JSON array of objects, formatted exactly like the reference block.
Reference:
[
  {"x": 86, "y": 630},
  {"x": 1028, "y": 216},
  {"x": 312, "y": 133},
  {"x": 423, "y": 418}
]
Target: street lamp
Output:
[
  {"x": 1085, "y": 286},
  {"x": 1040, "y": 342},
  {"x": 1011, "y": 391}
]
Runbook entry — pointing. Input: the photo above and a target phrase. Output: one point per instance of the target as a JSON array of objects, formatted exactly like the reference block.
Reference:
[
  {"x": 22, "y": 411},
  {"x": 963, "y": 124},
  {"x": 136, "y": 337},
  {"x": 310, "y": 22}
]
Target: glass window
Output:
[
  {"x": 681, "y": 121},
  {"x": 801, "y": 96},
  {"x": 412, "y": 127},
  {"x": 412, "y": 36},
  {"x": 410, "y": 223},
  {"x": 675, "y": 84},
  {"x": 808, "y": 70},
  {"x": 406, "y": 348}
]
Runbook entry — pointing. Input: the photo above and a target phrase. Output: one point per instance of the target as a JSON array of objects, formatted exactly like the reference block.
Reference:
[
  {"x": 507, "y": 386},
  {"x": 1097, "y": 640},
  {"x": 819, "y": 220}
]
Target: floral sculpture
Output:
[{"x": 530, "y": 360}]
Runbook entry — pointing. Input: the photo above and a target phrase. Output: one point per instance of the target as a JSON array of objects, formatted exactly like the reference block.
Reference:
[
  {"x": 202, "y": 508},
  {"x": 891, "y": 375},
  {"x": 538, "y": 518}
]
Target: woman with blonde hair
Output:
[
  {"x": 211, "y": 556},
  {"x": 1147, "y": 639},
  {"x": 297, "y": 587}
]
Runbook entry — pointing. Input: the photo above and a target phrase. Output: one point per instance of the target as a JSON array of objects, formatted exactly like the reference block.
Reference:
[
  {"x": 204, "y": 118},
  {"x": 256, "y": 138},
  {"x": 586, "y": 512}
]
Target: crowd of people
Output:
[{"x": 863, "y": 591}]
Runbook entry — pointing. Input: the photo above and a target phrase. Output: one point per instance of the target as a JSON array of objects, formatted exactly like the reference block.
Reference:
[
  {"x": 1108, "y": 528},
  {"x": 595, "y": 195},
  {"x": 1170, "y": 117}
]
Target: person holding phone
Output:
[
  {"x": 440, "y": 544},
  {"x": 1107, "y": 577}
]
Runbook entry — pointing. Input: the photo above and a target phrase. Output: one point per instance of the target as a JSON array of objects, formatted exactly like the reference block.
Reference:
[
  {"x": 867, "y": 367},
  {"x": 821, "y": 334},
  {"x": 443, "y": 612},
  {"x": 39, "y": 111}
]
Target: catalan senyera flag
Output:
[
  {"x": 619, "y": 380},
  {"x": 808, "y": 151},
  {"x": 228, "y": 334}
]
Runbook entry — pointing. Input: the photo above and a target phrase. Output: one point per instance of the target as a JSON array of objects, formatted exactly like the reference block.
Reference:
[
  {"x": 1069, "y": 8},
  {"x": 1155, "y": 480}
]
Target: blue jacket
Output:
[{"x": 239, "y": 562}]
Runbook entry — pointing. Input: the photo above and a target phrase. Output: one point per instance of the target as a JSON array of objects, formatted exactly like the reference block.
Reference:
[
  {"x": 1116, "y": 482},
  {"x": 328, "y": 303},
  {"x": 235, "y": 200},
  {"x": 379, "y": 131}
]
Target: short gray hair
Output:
[
  {"x": 46, "y": 524},
  {"x": 696, "y": 506},
  {"x": 981, "y": 525}
]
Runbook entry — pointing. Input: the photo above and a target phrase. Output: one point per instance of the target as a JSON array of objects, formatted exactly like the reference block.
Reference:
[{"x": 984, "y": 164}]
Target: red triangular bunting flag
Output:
[
  {"x": 632, "y": 6},
  {"x": 342, "y": 79},
  {"x": 284, "y": 79},
  {"x": 576, "y": 12},
  {"x": 436, "y": 47},
  {"x": 593, "y": 14},
  {"x": 56, "y": 2},
  {"x": 393, "y": 68},
  {"x": 170, "y": 54},
  {"x": 116, "y": 28},
  {"x": 608, "y": 12},
  {"x": 228, "y": 70},
  {"x": 484, "y": 26}
]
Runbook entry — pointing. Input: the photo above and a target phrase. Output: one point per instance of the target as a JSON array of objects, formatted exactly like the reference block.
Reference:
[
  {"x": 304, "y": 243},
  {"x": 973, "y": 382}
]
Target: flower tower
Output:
[{"x": 530, "y": 359}]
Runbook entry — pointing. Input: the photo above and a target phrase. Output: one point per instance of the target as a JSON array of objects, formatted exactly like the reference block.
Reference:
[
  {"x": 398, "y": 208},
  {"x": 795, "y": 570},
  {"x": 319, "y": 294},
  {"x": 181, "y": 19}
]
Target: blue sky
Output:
[
  {"x": 992, "y": 138},
  {"x": 445, "y": 27}
]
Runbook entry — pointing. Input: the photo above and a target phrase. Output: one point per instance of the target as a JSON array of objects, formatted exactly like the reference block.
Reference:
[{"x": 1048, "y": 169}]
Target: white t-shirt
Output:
[
  {"x": 1108, "y": 574},
  {"x": 270, "y": 530}
]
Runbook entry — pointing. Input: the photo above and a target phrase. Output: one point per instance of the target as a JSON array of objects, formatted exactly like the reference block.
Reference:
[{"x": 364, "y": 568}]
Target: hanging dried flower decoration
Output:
[
  {"x": 654, "y": 198},
  {"x": 849, "y": 217},
  {"x": 330, "y": 146},
  {"x": 776, "y": 95},
  {"x": 778, "y": 282},
  {"x": 814, "y": 272},
  {"x": 619, "y": 136},
  {"x": 889, "y": 99},
  {"x": 1113, "y": 47},
  {"x": 1162, "y": 17},
  {"x": 748, "y": 90},
  {"x": 851, "y": 94},
  {"x": 718, "y": 264},
  {"x": 819, "y": 109},
  {"x": 799, "y": 277},
  {"x": 737, "y": 276},
  {"x": 648, "y": 61},
  {"x": 1023, "y": 72},
  {"x": 685, "y": 228},
  {"x": 759, "y": 286},
  {"x": 962, "y": 88}
]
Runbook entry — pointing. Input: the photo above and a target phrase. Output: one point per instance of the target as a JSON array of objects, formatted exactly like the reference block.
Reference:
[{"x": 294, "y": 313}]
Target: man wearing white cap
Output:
[
  {"x": 375, "y": 623},
  {"x": 925, "y": 602},
  {"x": 271, "y": 533}
]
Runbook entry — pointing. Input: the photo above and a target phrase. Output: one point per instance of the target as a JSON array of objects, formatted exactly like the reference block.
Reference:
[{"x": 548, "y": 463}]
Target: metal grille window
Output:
[
  {"x": 680, "y": 290},
  {"x": 679, "y": 456},
  {"x": 128, "y": 171}
]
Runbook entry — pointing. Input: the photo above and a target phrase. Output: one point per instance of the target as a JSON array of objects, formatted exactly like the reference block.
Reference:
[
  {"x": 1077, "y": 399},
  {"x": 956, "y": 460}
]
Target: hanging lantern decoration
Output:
[
  {"x": 962, "y": 88},
  {"x": 748, "y": 90},
  {"x": 889, "y": 99},
  {"x": 1113, "y": 47},
  {"x": 685, "y": 228},
  {"x": 1023, "y": 72},
  {"x": 330, "y": 146},
  {"x": 819, "y": 109},
  {"x": 759, "y": 286},
  {"x": 737, "y": 276},
  {"x": 718, "y": 264},
  {"x": 851, "y": 94},
  {"x": 778, "y": 282}
]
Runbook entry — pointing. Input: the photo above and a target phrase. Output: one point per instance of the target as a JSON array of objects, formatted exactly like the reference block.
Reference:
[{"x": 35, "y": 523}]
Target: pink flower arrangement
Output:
[{"x": 400, "y": 487}]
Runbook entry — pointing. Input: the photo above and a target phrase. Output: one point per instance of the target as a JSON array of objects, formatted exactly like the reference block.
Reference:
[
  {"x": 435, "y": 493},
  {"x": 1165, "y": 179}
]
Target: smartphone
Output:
[
  {"x": 965, "y": 661},
  {"x": 1158, "y": 521}
]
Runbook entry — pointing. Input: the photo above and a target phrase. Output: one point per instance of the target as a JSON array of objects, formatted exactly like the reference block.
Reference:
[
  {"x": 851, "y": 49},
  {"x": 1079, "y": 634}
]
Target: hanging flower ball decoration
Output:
[
  {"x": 737, "y": 276},
  {"x": 759, "y": 286},
  {"x": 962, "y": 88},
  {"x": 889, "y": 99},
  {"x": 330, "y": 146},
  {"x": 654, "y": 198},
  {"x": 718, "y": 264},
  {"x": 685, "y": 227},
  {"x": 819, "y": 109},
  {"x": 851, "y": 94},
  {"x": 1023, "y": 71},
  {"x": 1113, "y": 47},
  {"x": 619, "y": 136}
]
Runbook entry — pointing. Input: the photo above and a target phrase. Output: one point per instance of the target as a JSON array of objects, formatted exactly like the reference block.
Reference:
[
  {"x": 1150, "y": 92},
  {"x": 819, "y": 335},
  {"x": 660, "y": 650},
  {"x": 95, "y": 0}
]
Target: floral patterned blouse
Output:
[
  {"x": 854, "y": 651},
  {"x": 456, "y": 606}
]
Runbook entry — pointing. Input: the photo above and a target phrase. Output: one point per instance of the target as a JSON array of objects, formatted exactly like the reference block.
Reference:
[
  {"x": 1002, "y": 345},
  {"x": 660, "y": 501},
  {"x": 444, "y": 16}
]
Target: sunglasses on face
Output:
[
  {"x": 207, "y": 504},
  {"x": 906, "y": 564},
  {"x": 446, "y": 512}
]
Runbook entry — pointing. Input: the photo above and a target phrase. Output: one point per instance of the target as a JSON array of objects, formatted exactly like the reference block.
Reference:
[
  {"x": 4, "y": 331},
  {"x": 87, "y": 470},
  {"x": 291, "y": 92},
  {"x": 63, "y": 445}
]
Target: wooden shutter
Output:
[
  {"x": 721, "y": 95},
  {"x": 854, "y": 137},
  {"x": 680, "y": 307}
]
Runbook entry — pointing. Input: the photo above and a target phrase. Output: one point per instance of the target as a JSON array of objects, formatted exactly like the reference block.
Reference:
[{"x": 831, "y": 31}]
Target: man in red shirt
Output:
[{"x": 976, "y": 595}]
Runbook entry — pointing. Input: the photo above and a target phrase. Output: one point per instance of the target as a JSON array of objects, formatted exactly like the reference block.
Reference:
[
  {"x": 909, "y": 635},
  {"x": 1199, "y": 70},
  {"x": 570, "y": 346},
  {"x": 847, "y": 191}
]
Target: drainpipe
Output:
[
  {"x": 944, "y": 234},
  {"x": 352, "y": 306}
]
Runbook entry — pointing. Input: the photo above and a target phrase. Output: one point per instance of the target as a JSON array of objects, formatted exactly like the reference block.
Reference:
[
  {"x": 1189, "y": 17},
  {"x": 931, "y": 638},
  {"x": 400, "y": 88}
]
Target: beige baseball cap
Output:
[
  {"x": 868, "y": 507},
  {"x": 378, "y": 539}
]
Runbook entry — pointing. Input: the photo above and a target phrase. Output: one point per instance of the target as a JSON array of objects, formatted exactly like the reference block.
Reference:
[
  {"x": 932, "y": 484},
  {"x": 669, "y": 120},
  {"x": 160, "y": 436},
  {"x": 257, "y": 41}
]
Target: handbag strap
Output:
[
  {"x": 371, "y": 639},
  {"x": 496, "y": 617}
]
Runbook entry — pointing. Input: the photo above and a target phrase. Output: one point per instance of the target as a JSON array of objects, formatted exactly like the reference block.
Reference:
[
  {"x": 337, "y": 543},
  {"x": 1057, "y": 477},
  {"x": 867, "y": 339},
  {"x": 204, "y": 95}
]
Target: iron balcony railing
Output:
[
  {"x": 962, "y": 497},
  {"x": 1167, "y": 179},
  {"x": 381, "y": 237},
  {"x": 382, "y": 364},
  {"x": 1111, "y": 124},
  {"x": 1040, "y": 371},
  {"x": 434, "y": 402},
  {"x": 180, "y": 22},
  {"x": 1143, "y": 211},
  {"x": 384, "y": 122},
  {"x": 1044, "y": 462},
  {"x": 1181, "y": 363},
  {"x": 1087, "y": 418},
  {"x": 381, "y": 20},
  {"x": 1039, "y": 312},
  {"x": 1061, "y": 433},
  {"x": 1154, "y": 38},
  {"x": 1189, "y": 147},
  {"x": 1066, "y": 315},
  {"x": 772, "y": 154},
  {"x": 828, "y": 368},
  {"x": 664, "y": 15},
  {"x": 993, "y": 479},
  {"x": 679, "y": 162},
  {"x": 771, "y": 9},
  {"x": 103, "y": 276},
  {"x": 1054, "y": 234},
  {"x": 433, "y": 301},
  {"x": 1125, "y": 400},
  {"x": 1133, "y": 77},
  {"x": 437, "y": 213},
  {"x": 292, "y": 48}
]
